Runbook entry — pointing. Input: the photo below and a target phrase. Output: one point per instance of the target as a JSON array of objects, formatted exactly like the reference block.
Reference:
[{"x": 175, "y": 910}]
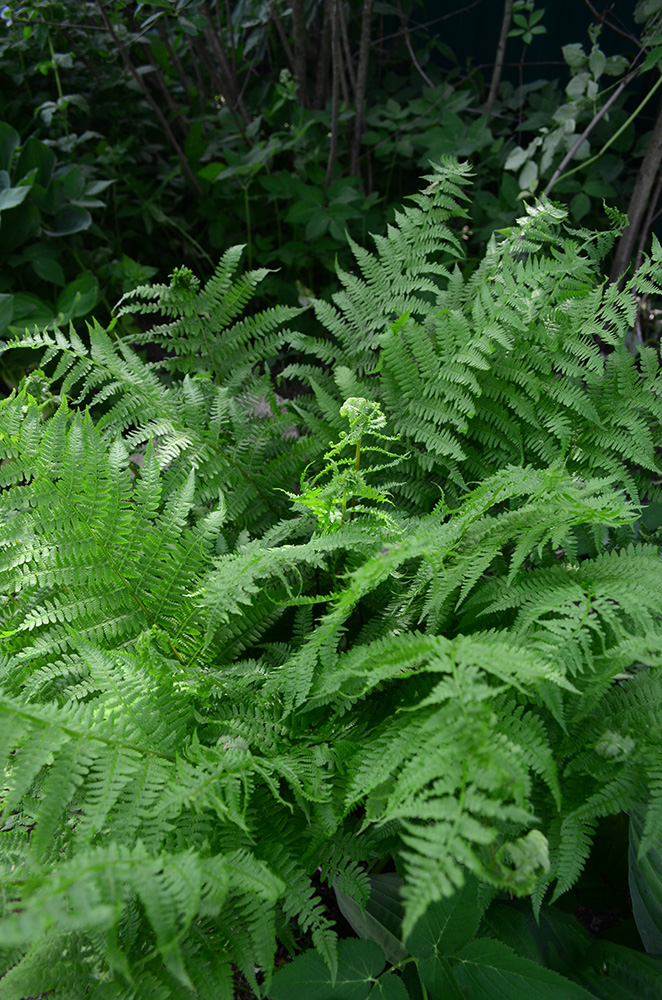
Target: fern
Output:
[{"x": 250, "y": 646}]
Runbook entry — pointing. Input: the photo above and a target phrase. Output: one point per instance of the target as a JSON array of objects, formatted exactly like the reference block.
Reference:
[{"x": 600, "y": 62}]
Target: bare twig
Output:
[
  {"x": 434, "y": 20},
  {"x": 150, "y": 100},
  {"x": 500, "y": 56},
  {"x": 348, "y": 52},
  {"x": 614, "y": 27},
  {"x": 643, "y": 185},
  {"x": 648, "y": 221},
  {"x": 232, "y": 92},
  {"x": 284, "y": 40},
  {"x": 299, "y": 38},
  {"x": 324, "y": 57},
  {"x": 587, "y": 131},
  {"x": 359, "y": 96},
  {"x": 405, "y": 32},
  {"x": 335, "y": 88}
]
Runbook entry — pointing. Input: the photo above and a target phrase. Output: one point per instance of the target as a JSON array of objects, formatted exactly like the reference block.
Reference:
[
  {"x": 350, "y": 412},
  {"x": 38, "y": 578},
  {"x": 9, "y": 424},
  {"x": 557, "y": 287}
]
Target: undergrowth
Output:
[{"x": 254, "y": 639}]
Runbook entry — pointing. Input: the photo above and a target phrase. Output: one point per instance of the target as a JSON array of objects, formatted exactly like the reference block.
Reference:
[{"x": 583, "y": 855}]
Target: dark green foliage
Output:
[{"x": 219, "y": 692}]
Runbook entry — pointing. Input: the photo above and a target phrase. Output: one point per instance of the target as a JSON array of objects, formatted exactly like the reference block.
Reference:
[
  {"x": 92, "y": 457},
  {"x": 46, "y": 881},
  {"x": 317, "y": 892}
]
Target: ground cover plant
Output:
[{"x": 390, "y": 628}]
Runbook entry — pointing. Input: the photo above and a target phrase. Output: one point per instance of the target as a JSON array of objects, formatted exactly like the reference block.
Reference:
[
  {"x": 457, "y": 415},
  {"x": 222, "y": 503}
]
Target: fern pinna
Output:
[{"x": 413, "y": 613}]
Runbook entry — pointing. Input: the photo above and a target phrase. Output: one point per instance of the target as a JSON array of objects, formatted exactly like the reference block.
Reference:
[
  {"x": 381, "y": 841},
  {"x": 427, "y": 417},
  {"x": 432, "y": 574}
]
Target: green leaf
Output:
[
  {"x": 49, "y": 270},
  {"x": 389, "y": 987},
  {"x": 30, "y": 310},
  {"x": 448, "y": 924},
  {"x": 516, "y": 158},
  {"x": 70, "y": 219},
  {"x": 645, "y": 879},
  {"x": 555, "y": 939},
  {"x": 12, "y": 196},
  {"x": 597, "y": 62},
  {"x": 652, "y": 59},
  {"x": 488, "y": 969},
  {"x": 359, "y": 963},
  {"x": 574, "y": 55},
  {"x": 78, "y": 298},
  {"x": 9, "y": 141},
  {"x": 614, "y": 972},
  {"x": 438, "y": 978},
  {"x": 6, "y": 312},
  {"x": 317, "y": 225},
  {"x": 36, "y": 156},
  {"x": 381, "y": 921}
]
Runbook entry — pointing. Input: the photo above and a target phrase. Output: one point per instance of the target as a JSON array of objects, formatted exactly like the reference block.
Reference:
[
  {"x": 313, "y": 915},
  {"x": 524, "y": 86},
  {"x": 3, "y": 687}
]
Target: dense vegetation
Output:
[{"x": 332, "y": 623}]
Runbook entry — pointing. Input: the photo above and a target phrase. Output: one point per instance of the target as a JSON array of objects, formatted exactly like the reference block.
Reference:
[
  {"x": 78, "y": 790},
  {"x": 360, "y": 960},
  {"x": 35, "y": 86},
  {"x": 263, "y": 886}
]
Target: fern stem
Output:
[
  {"x": 247, "y": 209},
  {"x": 58, "y": 84}
]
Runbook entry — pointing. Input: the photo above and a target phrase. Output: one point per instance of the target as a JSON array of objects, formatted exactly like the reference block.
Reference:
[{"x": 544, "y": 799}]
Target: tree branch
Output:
[{"x": 150, "y": 100}]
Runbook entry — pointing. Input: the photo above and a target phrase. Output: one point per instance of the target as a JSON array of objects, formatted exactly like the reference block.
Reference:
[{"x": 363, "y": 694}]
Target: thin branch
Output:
[
  {"x": 284, "y": 40},
  {"x": 232, "y": 92},
  {"x": 602, "y": 18},
  {"x": 359, "y": 94},
  {"x": 587, "y": 131},
  {"x": 500, "y": 56},
  {"x": 233, "y": 47},
  {"x": 405, "y": 32},
  {"x": 434, "y": 20},
  {"x": 335, "y": 87},
  {"x": 348, "y": 52},
  {"x": 150, "y": 100},
  {"x": 299, "y": 38},
  {"x": 646, "y": 175},
  {"x": 324, "y": 57},
  {"x": 647, "y": 224},
  {"x": 619, "y": 131}
]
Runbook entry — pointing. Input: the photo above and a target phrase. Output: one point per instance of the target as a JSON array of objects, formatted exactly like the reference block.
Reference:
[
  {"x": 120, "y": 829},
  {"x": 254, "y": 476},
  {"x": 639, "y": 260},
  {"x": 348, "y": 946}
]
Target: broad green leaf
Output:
[
  {"x": 308, "y": 978},
  {"x": 613, "y": 972},
  {"x": 487, "y": 970},
  {"x": 516, "y": 158},
  {"x": 36, "y": 156},
  {"x": 70, "y": 219},
  {"x": 9, "y": 141},
  {"x": 78, "y": 297},
  {"x": 528, "y": 175},
  {"x": 448, "y": 924},
  {"x": 6, "y": 312},
  {"x": 49, "y": 270},
  {"x": 574, "y": 55},
  {"x": 645, "y": 878},
  {"x": 30, "y": 310},
  {"x": 11, "y": 197},
  {"x": 317, "y": 225},
  {"x": 555, "y": 940},
  {"x": 381, "y": 921},
  {"x": 389, "y": 987},
  {"x": 597, "y": 61},
  {"x": 438, "y": 978}
]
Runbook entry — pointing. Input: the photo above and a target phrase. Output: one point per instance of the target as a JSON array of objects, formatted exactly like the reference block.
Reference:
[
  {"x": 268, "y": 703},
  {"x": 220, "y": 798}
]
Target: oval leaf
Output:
[
  {"x": 645, "y": 878},
  {"x": 487, "y": 969},
  {"x": 9, "y": 141},
  {"x": 36, "y": 156},
  {"x": 78, "y": 298},
  {"x": 359, "y": 963},
  {"x": 70, "y": 219}
]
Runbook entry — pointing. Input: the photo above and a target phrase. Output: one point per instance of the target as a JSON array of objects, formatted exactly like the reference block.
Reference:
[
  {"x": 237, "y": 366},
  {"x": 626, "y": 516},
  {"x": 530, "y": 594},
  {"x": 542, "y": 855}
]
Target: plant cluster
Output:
[{"x": 392, "y": 632}]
